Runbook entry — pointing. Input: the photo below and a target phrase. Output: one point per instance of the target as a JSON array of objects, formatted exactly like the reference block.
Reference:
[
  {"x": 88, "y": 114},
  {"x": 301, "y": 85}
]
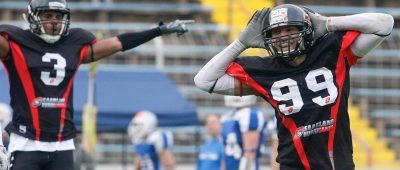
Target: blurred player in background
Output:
[
  {"x": 212, "y": 151},
  {"x": 5, "y": 118},
  {"x": 306, "y": 79},
  {"x": 242, "y": 133},
  {"x": 41, "y": 63},
  {"x": 153, "y": 147}
]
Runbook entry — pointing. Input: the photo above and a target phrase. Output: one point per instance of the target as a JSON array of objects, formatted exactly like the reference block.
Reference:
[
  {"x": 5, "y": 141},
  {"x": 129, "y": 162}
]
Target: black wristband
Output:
[{"x": 134, "y": 39}]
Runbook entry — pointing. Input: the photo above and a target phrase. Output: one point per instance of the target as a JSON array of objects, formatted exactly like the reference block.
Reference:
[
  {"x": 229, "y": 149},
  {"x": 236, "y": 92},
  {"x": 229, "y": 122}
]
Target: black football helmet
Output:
[
  {"x": 36, "y": 7},
  {"x": 288, "y": 15}
]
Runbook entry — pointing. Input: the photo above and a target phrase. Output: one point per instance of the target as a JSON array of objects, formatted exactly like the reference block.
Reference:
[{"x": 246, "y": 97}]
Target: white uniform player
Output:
[
  {"x": 152, "y": 146},
  {"x": 242, "y": 133}
]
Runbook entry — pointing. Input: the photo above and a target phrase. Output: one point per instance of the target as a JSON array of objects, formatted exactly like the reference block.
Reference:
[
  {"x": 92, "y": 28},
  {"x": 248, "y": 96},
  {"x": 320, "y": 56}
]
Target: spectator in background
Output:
[
  {"x": 5, "y": 118},
  {"x": 242, "y": 133},
  {"x": 212, "y": 151},
  {"x": 153, "y": 147}
]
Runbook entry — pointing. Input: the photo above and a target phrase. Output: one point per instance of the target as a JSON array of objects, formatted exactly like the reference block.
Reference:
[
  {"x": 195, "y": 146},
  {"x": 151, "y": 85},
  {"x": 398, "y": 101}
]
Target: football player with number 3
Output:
[
  {"x": 242, "y": 133},
  {"x": 41, "y": 63},
  {"x": 306, "y": 79}
]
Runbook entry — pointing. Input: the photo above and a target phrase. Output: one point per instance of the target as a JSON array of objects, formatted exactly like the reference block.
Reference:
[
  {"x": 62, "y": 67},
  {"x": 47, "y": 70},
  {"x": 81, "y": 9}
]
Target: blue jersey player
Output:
[
  {"x": 242, "y": 133},
  {"x": 152, "y": 146}
]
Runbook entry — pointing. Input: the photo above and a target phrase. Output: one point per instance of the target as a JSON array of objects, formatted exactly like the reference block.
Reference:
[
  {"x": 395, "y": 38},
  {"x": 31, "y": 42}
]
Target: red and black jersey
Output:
[
  {"x": 41, "y": 82},
  {"x": 310, "y": 102}
]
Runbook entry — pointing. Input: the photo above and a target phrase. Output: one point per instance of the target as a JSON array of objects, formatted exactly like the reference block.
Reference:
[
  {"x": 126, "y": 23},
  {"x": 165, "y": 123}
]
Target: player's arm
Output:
[
  {"x": 126, "y": 41},
  {"x": 163, "y": 143},
  {"x": 273, "y": 130},
  {"x": 136, "y": 163},
  {"x": 251, "y": 131},
  {"x": 213, "y": 78},
  {"x": 374, "y": 28},
  {"x": 223, "y": 166},
  {"x": 250, "y": 149},
  {"x": 167, "y": 159},
  {"x": 274, "y": 154},
  {"x": 4, "y": 47}
]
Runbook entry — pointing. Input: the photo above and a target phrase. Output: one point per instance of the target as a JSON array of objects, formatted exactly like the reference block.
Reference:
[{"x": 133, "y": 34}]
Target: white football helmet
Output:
[
  {"x": 240, "y": 101},
  {"x": 142, "y": 124},
  {"x": 5, "y": 114}
]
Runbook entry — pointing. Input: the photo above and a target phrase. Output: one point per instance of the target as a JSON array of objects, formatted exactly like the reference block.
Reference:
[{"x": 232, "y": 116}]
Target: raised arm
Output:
[
  {"x": 126, "y": 41},
  {"x": 374, "y": 28},
  {"x": 212, "y": 77},
  {"x": 4, "y": 47},
  {"x": 251, "y": 123}
]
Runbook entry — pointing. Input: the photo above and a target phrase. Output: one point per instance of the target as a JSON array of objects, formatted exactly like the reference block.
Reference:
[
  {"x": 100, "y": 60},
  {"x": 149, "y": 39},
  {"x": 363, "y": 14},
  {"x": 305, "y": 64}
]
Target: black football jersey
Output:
[
  {"x": 310, "y": 102},
  {"x": 41, "y": 82}
]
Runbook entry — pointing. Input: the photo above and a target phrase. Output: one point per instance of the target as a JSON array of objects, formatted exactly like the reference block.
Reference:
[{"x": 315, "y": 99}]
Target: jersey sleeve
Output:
[
  {"x": 237, "y": 70},
  {"x": 162, "y": 140},
  {"x": 250, "y": 119},
  {"x": 348, "y": 39},
  {"x": 81, "y": 36}
]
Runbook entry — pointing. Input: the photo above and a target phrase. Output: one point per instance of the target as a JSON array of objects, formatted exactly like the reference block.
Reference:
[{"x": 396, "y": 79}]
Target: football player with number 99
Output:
[
  {"x": 41, "y": 63},
  {"x": 306, "y": 79}
]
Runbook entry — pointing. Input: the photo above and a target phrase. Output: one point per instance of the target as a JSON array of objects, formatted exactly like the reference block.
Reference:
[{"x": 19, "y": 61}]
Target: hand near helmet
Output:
[
  {"x": 319, "y": 23},
  {"x": 251, "y": 36}
]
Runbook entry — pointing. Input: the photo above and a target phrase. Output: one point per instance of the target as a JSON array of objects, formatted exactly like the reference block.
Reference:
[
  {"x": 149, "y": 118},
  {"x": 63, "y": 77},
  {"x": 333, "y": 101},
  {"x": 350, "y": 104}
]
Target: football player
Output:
[
  {"x": 41, "y": 63},
  {"x": 153, "y": 147},
  {"x": 5, "y": 118},
  {"x": 242, "y": 133},
  {"x": 306, "y": 79}
]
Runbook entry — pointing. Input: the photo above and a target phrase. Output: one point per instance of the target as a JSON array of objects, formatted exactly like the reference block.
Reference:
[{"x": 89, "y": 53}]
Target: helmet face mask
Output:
[
  {"x": 57, "y": 27},
  {"x": 288, "y": 16}
]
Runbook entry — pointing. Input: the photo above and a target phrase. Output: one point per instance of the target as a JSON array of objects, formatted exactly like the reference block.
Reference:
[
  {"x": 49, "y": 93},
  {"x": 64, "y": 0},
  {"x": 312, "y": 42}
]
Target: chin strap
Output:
[{"x": 50, "y": 38}]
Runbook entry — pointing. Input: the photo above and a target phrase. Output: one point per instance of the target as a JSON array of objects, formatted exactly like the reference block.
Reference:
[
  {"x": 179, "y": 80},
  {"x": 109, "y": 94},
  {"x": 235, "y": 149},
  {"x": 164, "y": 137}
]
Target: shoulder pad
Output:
[
  {"x": 80, "y": 36},
  {"x": 250, "y": 119}
]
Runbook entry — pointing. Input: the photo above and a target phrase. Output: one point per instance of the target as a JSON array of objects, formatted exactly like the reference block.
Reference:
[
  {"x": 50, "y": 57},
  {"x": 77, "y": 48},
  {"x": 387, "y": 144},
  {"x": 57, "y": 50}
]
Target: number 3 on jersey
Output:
[
  {"x": 294, "y": 94},
  {"x": 59, "y": 67}
]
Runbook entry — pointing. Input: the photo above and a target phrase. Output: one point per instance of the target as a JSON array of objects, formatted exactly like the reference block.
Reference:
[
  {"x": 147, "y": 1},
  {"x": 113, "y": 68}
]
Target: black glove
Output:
[{"x": 178, "y": 26}]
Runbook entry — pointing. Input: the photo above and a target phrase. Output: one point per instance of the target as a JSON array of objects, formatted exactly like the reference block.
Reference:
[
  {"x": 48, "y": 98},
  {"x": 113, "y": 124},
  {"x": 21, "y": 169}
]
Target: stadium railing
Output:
[{"x": 142, "y": 7}]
